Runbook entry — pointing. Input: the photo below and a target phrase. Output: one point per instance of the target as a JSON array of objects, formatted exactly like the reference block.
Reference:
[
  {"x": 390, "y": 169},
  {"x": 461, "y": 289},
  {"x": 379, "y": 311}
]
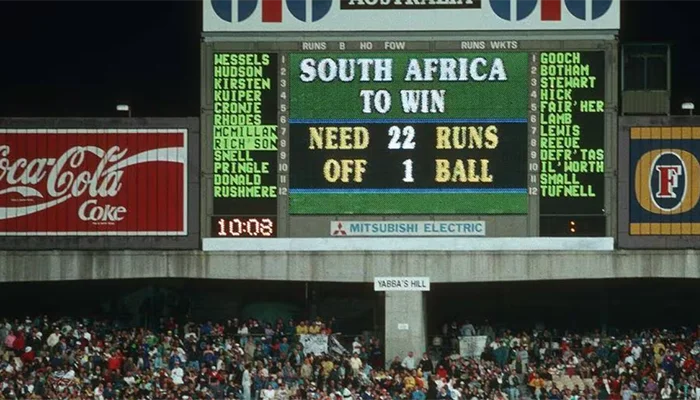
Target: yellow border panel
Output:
[
  {"x": 665, "y": 132},
  {"x": 687, "y": 132},
  {"x": 664, "y": 229}
]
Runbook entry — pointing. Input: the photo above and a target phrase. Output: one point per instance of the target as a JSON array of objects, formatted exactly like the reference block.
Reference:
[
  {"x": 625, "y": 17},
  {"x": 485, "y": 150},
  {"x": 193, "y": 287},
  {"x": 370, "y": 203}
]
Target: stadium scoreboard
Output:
[{"x": 429, "y": 129}]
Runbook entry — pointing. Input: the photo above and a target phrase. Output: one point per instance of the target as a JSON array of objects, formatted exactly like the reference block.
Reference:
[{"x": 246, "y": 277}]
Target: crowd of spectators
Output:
[
  {"x": 99, "y": 360},
  {"x": 66, "y": 359},
  {"x": 649, "y": 364}
]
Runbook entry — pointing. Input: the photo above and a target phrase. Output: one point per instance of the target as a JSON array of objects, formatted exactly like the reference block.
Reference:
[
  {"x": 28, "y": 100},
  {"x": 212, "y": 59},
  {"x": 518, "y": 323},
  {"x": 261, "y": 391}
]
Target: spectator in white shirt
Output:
[
  {"x": 355, "y": 364},
  {"x": 246, "y": 382},
  {"x": 356, "y": 346},
  {"x": 666, "y": 392},
  {"x": 636, "y": 351},
  {"x": 268, "y": 393},
  {"x": 347, "y": 394},
  {"x": 53, "y": 338},
  {"x": 409, "y": 362},
  {"x": 467, "y": 329},
  {"x": 129, "y": 379},
  {"x": 695, "y": 393},
  {"x": 98, "y": 392},
  {"x": 177, "y": 374}
]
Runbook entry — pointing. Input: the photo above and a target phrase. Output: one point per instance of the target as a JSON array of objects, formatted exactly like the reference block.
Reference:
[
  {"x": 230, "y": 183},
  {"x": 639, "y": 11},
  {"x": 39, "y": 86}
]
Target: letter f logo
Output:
[{"x": 668, "y": 180}]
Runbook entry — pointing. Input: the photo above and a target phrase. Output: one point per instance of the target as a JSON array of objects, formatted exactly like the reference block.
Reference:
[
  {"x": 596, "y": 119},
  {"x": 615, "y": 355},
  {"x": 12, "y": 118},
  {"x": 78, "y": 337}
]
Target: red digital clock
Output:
[{"x": 244, "y": 227}]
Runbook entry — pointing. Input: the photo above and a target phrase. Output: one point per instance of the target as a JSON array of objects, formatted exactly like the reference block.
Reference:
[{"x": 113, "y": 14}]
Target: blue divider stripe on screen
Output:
[
  {"x": 410, "y": 121},
  {"x": 407, "y": 191}
]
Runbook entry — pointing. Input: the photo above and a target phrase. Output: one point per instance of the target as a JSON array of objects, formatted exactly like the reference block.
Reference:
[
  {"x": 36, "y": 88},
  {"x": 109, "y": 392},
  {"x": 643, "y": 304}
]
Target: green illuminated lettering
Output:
[
  {"x": 237, "y": 108},
  {"x": 560, "y": 58},
  {"x": 555, "y": 119},
  {"x": 559, "y": 142},
  {"x": 565, "y": 81},
  {"x": 241, "y": 83},
  {"x": 560, "y": 130},
  {"x": 573, "y": 82},
  {"x": 582, "y": 166},
  {"x": 241, "y": 59},
  {"x": 245, "y": 131},
  {"x": 242, "y": 86}
]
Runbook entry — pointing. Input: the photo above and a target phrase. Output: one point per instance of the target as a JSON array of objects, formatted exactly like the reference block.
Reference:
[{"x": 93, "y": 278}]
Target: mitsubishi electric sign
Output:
[{"x": 409, "y": 15}]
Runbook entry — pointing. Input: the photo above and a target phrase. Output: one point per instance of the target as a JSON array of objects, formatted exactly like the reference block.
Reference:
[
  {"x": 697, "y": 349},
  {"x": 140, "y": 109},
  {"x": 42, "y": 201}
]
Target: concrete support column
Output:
[{"x": 404, "y": 324}]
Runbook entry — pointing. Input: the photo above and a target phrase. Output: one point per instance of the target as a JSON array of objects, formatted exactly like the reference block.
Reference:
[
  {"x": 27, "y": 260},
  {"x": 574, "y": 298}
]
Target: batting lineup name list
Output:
[
  {"x": 564, "y": 79},
  {"x": 242, "y": 133}
]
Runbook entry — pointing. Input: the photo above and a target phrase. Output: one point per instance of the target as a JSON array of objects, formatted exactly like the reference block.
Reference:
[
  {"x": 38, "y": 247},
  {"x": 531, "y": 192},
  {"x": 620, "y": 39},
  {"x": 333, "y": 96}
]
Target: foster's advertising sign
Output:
[
  {"x": 93, "y": 182},
  {"x": 664, "y": 181}
]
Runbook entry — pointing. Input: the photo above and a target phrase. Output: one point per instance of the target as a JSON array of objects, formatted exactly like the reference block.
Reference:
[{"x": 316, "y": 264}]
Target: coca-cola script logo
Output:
[{"x": 91, "y": 177}]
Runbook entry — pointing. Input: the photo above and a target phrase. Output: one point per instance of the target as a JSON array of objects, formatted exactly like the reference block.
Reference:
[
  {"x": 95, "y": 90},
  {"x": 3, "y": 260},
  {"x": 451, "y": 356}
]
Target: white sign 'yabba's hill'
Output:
[{"x": 402, "y": 284}]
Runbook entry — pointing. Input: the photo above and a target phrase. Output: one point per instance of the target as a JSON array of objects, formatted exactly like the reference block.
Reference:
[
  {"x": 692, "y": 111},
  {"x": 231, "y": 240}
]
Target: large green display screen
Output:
[{"x": 408, "y": 133}]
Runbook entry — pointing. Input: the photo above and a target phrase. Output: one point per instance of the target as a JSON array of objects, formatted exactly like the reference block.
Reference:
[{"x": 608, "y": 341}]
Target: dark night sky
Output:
[{"x": 65, "y": 58}]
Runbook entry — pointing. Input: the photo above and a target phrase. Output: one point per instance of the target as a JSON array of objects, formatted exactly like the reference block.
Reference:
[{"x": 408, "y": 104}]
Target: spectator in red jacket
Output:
[
  {"x": 18, "y": 345},
  {"x": 28, "y": 355}
]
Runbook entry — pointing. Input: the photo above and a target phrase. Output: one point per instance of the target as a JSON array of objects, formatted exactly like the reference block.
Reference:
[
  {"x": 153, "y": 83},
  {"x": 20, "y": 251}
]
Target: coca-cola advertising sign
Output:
[{"x": 93, "y": 182}]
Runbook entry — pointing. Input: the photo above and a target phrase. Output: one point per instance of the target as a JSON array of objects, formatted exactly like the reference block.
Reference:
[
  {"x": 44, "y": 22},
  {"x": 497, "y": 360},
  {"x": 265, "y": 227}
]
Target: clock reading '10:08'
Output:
[{"x": 259, "y": 227}]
